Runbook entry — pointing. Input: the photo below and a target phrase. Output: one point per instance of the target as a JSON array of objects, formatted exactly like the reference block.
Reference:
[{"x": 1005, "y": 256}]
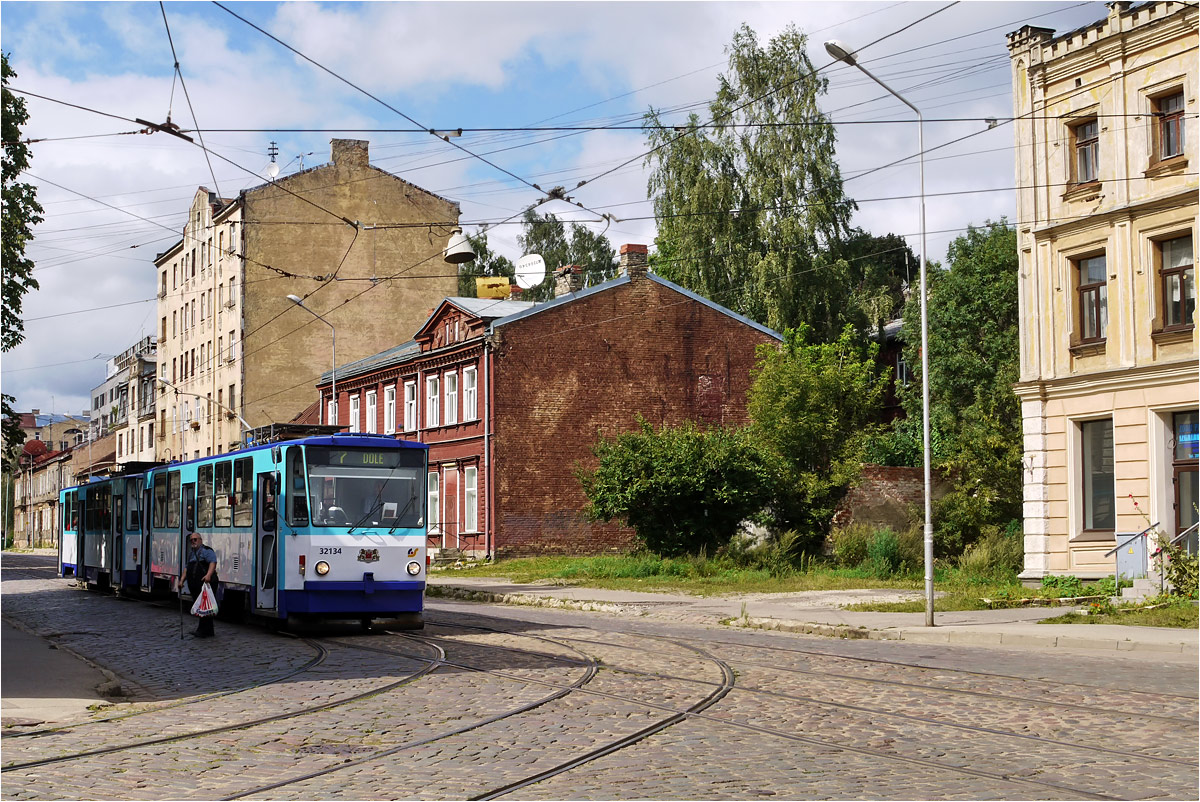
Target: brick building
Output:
[
  {"x": 511, "y": 396},
  {"x": 230, "y": 342}
]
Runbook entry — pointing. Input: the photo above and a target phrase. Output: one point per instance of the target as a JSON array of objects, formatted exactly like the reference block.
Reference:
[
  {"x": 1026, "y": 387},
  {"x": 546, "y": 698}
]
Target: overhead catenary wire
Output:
[{"x": 188, "y": 98}]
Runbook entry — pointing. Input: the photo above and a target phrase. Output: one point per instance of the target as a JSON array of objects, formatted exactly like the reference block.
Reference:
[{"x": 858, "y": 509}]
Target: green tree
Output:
[
  {"x": 486, "y": 263},
  {"x": 559, "y": 245},
  {"x": 812, "y": 404},
  {"x": 747, "y": 207},
  {"x": 21, "y": 213},
  {"x": 682, "y": 489},
  {"x": 974, "y": 353}
]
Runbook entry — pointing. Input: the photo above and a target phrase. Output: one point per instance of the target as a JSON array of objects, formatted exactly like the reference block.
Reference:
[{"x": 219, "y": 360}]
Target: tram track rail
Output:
[
  {"x": 888, "y": 713},
  {"x": 431, "y": 665},
  {"x": 695, "y": 711}
]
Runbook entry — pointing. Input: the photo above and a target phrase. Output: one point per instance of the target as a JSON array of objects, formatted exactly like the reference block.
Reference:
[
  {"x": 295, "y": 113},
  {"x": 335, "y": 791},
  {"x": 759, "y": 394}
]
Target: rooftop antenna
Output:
[{"x": 531, "y": 271}]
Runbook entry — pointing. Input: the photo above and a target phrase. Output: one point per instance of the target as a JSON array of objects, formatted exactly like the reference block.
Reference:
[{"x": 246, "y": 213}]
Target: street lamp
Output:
[
  {"x": 839, "y": 52},
  {"x": 298, "y": 301}
]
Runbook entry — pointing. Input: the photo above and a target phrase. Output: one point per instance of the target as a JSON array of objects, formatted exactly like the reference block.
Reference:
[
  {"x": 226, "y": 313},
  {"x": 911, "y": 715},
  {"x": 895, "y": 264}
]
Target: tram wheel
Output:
[
  {"x": 365, "y": 624},
  {"x": 408, "y": 621}
]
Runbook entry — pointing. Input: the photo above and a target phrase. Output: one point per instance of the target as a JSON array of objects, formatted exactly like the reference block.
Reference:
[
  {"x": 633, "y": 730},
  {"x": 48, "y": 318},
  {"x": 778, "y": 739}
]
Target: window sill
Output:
[
  {"x": 1082, "y": 192},
  {"x": 1095, "y": 536},
  {"x": 1183, "y": 334},
  {"x": 1089, "y": 349},
  {"x": 1172, "y": 166}
]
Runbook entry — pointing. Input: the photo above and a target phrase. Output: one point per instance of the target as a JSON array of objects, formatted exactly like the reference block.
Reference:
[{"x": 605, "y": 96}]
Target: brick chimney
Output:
[
  {"x": 568, "y": 279},
  {"x": 350, "y": 152},
  {"x": 634, "y": 261}
]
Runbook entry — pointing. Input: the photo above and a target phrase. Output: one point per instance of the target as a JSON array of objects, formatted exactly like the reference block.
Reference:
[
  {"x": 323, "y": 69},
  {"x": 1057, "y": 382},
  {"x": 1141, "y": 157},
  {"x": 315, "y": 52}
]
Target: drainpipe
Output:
[{"x": 489, "y": 511}]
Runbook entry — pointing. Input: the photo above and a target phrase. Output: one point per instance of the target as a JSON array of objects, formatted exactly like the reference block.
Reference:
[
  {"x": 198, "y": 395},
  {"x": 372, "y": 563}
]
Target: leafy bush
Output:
[
  {"x": 883, "y": 554},
  {"x": 1062, "y": 586},
  {"x": 1180, "y": 569},
  {"x": 684, "y": 490},
  {"x": 850, "y": 544},
  {"x": 996, "y": 554}
]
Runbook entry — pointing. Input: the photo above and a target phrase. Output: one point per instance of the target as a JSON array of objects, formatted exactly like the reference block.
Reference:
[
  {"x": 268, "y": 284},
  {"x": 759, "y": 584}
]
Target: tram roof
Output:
[{"x": 356, "y": 440}]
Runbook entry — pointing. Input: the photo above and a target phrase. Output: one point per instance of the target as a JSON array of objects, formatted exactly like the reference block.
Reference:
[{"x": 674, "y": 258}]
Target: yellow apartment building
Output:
[{"x": 1106, "y": 144}]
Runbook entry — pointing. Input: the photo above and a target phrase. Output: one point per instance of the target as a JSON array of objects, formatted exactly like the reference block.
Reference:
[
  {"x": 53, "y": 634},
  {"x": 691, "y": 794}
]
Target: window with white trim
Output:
[
  {"x": 331, "y": 413},
  {"x": 389, "y": 410},
  {"x": 432, "y": 513},
  {"x": 410, "y": 406},
  {"x": 471, "y": 500},
  {"x": 470, "y": 394},
  {"x": 451, "y": 380},
  {"x": 432, "y": 402},
  {"x": 371, "y": 426},
  {"x": 355, "y": 421}
]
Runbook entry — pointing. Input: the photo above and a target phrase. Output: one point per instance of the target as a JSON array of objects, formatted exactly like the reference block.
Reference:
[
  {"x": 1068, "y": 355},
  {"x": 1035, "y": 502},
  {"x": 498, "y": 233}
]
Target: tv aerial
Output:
[
  {"x": 531, "y": 271},
  {"x": 273, "y": 167}
]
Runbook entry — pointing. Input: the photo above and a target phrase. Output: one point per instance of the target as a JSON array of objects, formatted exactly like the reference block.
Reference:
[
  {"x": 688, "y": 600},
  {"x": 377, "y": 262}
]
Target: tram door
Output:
[
  {"x": 266, "y": 548},
  {"x": 116, "y": 554},
  {"x": 189, "y": 525}
]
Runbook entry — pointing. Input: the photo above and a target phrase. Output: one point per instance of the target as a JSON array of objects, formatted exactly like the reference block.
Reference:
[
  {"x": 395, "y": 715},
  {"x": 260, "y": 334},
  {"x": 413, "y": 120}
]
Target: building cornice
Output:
[
  {"x": 1105, "y": 217},
  {"x": 1140, "y": 378}
]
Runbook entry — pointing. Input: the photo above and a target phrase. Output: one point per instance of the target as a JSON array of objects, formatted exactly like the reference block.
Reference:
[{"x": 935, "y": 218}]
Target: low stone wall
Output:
[{"x": 887, "y": 496}]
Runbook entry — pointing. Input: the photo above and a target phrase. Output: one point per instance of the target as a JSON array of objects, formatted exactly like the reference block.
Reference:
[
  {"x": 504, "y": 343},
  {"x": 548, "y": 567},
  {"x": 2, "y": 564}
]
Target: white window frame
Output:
[
  {"x": 389, "y": 409},
  {"x": 355, "y": 418},
  {"x": 331, "y": 412},
  {"x": 470, "y": 394},
  {"x": 450, "y": 385},
  {"x": 410, "y": 406},
  {"x": 371, "y": 426},
  {"x": 432, "y": 401},
  {"x": 470, "y": 500},
  {"x": 433, "y": 500}
]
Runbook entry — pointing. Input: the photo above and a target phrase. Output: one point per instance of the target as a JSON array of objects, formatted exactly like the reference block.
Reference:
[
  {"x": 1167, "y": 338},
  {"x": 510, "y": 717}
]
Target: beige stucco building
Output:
[
  {"x": 1106, "y": 142},
  {"x": 362, "y": 247}
]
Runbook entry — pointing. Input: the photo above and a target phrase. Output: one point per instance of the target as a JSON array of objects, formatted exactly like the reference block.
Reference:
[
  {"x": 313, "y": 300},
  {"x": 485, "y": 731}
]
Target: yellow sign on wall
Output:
[{"x": 492, "y": 287}]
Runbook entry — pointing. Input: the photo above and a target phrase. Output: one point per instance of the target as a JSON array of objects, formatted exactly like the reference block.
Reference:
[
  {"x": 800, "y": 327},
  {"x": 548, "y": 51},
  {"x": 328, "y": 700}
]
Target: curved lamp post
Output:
[
  {"x": 841, "y": 53},
  {"x": 298, "y": 301}
]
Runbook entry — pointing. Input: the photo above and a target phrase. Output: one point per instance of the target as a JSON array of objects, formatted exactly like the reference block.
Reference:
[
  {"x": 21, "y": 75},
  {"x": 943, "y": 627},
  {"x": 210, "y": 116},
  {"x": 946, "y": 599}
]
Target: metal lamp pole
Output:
[
  {"x": 298, "y": 301},
  {"x": 841, "y": 53}
]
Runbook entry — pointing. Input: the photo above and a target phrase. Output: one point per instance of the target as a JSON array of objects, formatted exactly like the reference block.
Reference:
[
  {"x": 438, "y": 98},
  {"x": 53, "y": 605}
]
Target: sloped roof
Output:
[
  {"x": 383, "y": 359},
  {"x": 624, "y": 279}
]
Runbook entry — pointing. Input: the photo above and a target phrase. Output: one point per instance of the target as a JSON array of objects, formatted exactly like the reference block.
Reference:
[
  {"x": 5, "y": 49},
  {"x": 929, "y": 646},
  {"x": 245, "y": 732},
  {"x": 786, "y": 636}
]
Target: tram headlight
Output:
[
  {"x": 322, "y": 568},
  {"x": 414, "y": 568}
]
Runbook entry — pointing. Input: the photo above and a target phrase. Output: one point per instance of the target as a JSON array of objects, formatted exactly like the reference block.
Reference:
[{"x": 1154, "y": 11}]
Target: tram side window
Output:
[
  {"x": 224, "y": 497},
  {"x": 297, "y": 503},
  {"x": 159, "y": 518},
  {"x": 69, "y": 513},
  {"x": 173, "y": 499},
  {"x": 133, "y": 503},
  {"x": 204, "y": 496},
  {"x": 243, "y": 492}
]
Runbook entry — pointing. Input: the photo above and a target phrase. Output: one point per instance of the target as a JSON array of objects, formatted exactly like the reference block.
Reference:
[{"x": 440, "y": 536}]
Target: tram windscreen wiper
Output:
[
  {"x": 374, "y": 509},
  {"x": 403, "y": 512}
]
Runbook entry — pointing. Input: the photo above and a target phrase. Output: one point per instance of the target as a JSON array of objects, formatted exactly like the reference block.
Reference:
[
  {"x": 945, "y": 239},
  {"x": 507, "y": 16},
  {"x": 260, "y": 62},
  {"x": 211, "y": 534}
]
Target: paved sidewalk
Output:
[
  {"x": 41, "y": 683},
  {"x": 819, "y": 613}
]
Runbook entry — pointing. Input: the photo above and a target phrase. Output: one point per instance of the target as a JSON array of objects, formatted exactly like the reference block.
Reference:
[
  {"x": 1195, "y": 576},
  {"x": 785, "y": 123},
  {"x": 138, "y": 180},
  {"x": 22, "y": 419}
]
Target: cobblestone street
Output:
[{"x": 496, "y": 702}]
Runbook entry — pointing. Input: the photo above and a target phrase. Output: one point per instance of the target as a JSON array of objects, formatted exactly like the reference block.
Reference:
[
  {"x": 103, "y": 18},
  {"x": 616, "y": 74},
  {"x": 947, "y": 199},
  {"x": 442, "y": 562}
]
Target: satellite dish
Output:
[
  {"x": 272, "y": 170},
  {"x": 531, "y": 271}
]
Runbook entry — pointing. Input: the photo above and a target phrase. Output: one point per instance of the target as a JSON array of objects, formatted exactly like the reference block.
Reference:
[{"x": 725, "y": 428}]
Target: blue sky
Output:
[{"x": 448, "y": 65}]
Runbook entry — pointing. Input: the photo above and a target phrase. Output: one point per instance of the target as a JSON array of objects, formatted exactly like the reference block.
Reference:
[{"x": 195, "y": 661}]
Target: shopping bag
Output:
[{"x": 206, "y": 602}]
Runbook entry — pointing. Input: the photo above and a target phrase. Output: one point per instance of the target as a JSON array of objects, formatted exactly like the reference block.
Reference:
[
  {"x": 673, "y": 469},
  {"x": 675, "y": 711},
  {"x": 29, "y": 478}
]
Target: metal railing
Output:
[
  {"x": 1188, "y": 533},
  {"x": 1117, "y": 563}
]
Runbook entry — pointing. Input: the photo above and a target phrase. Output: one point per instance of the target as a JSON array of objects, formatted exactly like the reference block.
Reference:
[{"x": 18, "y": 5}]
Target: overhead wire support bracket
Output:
[{"x": 167, "y": 128}]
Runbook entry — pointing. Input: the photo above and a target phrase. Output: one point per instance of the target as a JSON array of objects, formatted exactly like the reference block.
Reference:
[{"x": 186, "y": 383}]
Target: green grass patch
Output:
[
  {"x": 695, "y": 575},
  {"x": 1176, "y": 613}
]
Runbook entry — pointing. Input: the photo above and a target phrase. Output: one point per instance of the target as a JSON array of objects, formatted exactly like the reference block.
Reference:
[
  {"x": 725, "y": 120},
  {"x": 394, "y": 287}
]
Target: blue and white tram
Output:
[
  {"x": 330, "y": 526},
  {"x": 101, "y": 531}
]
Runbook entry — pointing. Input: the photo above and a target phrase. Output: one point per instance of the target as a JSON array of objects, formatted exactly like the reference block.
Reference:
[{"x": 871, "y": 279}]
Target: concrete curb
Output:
[
  {"x": 520, "y": 599},
  {"x": 111, "y": 688}
]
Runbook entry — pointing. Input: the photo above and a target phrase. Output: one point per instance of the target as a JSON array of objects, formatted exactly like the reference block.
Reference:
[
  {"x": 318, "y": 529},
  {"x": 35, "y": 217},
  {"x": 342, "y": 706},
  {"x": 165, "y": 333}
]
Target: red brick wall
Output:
[
  {"x": 567, "y": 375},
  {"x": 887, "y": 496}
]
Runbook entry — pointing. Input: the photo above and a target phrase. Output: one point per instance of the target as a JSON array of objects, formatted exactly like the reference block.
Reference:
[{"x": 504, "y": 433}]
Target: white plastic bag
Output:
[{"x": 206, "y": 602}]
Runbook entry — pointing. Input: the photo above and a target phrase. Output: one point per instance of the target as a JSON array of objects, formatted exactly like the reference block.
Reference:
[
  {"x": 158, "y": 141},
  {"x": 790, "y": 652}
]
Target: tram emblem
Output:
[
  {"x": 413, "y": 551},
  {"x": 368, "y": 555}
]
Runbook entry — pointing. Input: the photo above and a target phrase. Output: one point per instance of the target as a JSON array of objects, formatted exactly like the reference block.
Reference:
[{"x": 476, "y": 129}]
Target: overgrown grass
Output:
[
  {"x": 695, "y": 575},
  {"x": 1175, "y": 613}
]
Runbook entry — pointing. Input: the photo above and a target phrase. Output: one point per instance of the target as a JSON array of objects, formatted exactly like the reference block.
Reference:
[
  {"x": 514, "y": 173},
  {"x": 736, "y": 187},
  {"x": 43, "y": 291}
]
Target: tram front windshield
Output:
[{"x": 363, "y": 487}]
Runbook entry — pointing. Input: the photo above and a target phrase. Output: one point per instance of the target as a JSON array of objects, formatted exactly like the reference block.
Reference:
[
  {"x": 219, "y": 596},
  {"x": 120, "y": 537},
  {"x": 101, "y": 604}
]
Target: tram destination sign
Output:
[{"x": 355, "y": 457}]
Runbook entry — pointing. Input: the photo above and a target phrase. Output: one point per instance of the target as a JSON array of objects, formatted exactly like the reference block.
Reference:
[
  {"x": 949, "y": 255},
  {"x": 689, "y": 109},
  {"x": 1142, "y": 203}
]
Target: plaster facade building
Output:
[
  {"x": 1106, "y": 138},
  {"x": 41, "y": 473},
  {"x": 360, "y": 245},
  {"x": 511, "y": 396},
  {"x": 128, "y": 395}
]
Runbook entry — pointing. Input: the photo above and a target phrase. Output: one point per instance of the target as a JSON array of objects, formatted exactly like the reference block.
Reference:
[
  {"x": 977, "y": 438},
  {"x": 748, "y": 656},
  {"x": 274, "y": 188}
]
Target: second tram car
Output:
[{"x": 330, "y": 526}]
